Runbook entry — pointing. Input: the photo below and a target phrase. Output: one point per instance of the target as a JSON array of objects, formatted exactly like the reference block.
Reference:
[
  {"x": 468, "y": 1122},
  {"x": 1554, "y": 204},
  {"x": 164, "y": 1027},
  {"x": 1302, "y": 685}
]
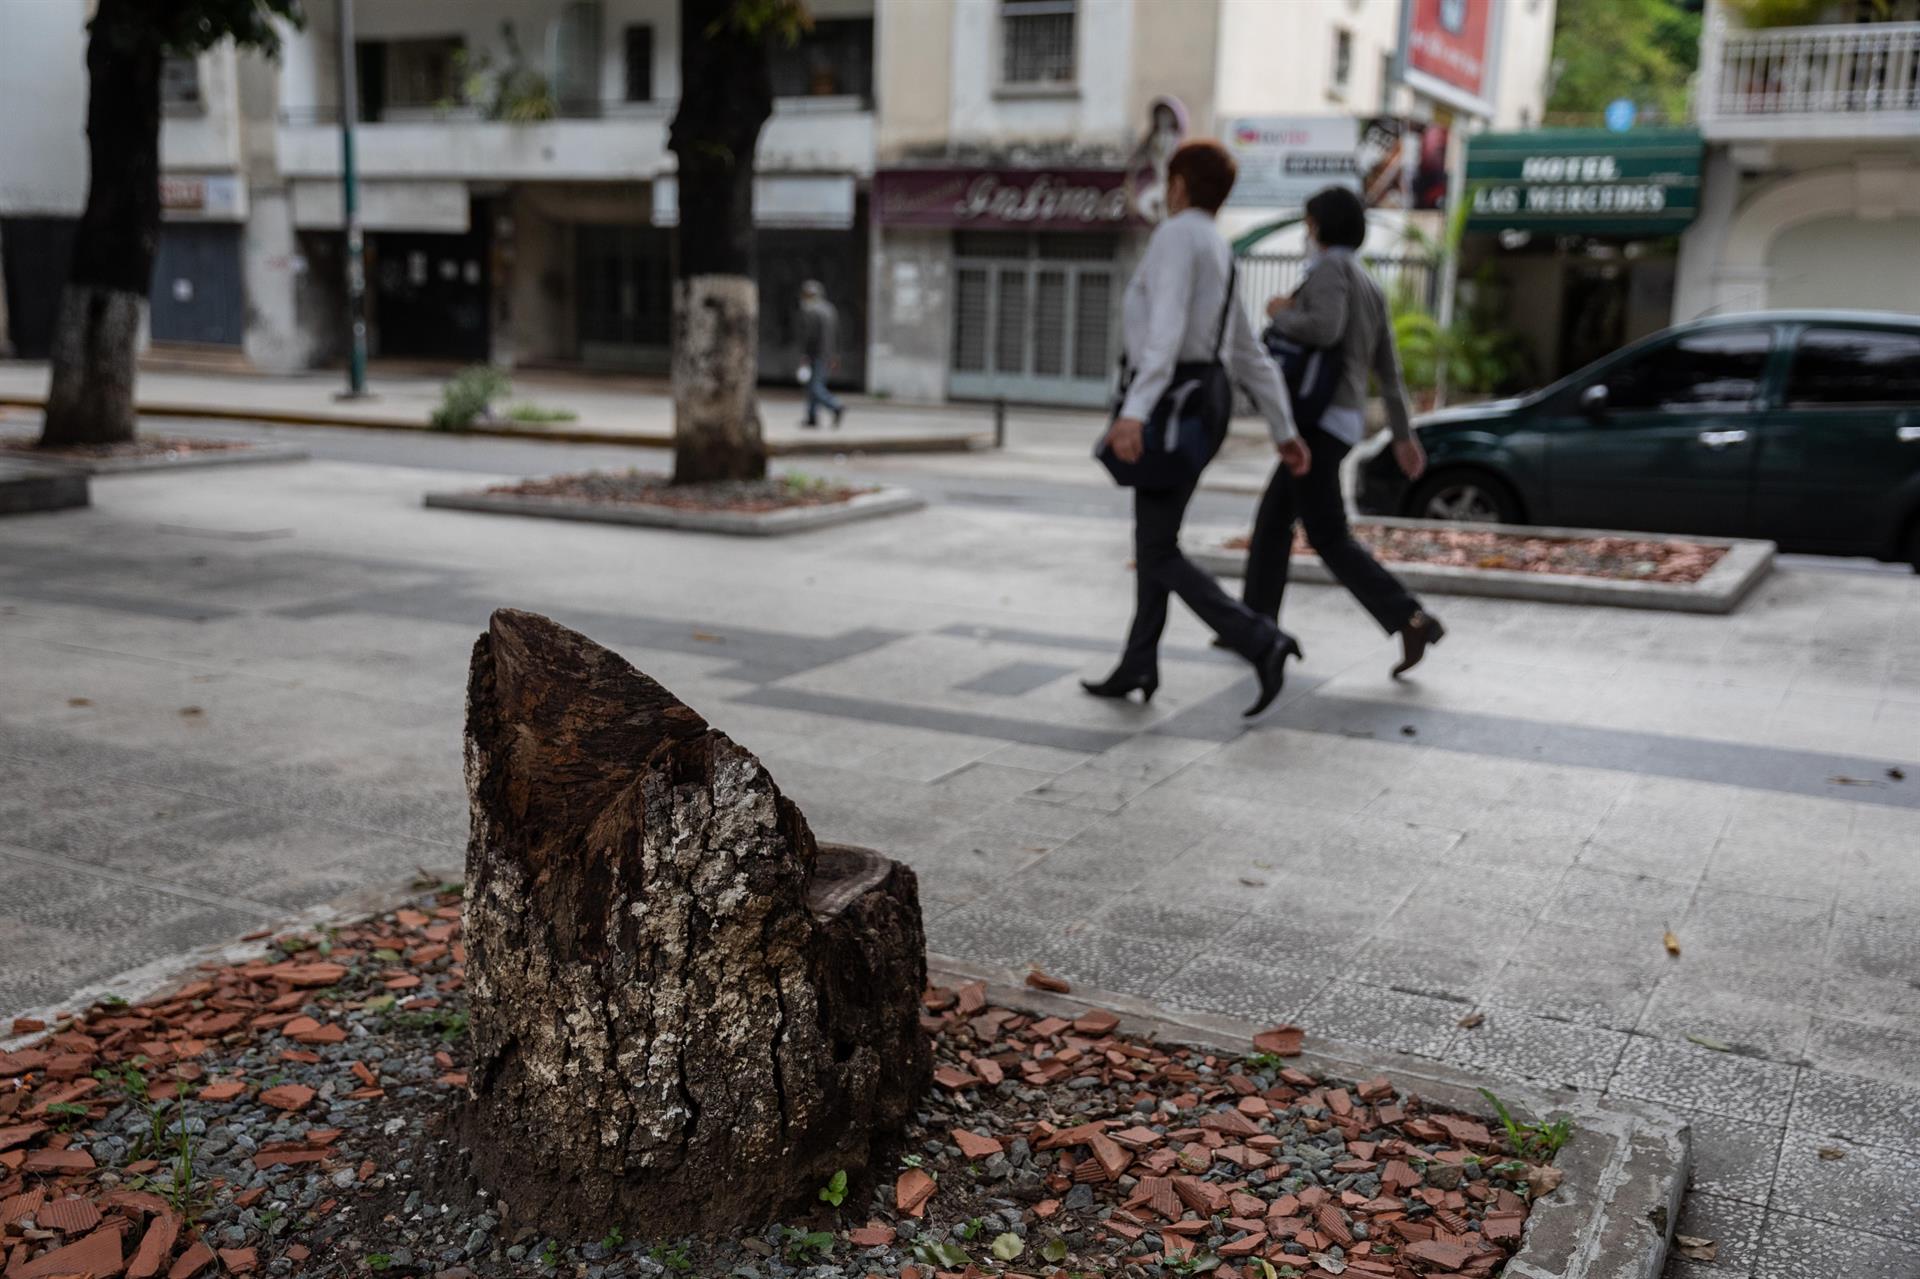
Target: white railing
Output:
[{"x": 1829, "y": 81}]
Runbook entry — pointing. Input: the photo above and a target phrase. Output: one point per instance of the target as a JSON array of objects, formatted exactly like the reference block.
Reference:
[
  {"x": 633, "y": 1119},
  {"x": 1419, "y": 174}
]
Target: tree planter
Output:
[{"x": 747, "y": 508}]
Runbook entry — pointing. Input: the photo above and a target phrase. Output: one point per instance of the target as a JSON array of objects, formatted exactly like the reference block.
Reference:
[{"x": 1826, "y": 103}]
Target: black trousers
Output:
[
  {"x": 1314, "y": 500},
  {"x": 1161, "y": 571}
]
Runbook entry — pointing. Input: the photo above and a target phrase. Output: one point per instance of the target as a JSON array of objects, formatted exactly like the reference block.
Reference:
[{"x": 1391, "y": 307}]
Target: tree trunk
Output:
[
  {"x": 726, "y": 96},
  {"x": 685, "y": 1017},
  {"x": 97, "y": 330}
]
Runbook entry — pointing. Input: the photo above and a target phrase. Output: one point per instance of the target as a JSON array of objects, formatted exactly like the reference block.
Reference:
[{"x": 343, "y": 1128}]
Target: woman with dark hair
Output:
[
  {"x": 1179, "y": 310},
  {"x": 1339, "y": 307}
]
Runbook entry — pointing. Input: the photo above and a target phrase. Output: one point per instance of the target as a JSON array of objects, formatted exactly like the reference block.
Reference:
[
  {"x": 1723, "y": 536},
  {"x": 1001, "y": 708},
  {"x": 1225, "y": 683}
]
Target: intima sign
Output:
[{"x": 1584, "y": 182}]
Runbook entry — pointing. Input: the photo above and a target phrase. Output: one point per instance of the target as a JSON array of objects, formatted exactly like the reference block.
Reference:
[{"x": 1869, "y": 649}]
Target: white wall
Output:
[
  {"x": 1277, "y": 58},
  {"x": 207, "y": 140},
  {"x": 1095, "y": 112},
  {"x": 43, "y": 107},
  {"x": 1526, "y": 59},
  {"x": 1842, "y": 261}
]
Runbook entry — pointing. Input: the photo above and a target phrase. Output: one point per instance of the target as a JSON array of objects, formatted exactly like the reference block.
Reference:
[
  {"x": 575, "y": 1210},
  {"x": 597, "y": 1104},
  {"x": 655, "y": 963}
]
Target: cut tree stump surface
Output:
[{"x": 670, "y": 1029}]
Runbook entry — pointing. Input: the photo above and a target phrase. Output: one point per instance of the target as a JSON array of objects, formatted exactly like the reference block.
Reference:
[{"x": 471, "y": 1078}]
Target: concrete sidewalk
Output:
[
  {"x": 226, "y": 695},
  {"x": 605, "y": 409}
]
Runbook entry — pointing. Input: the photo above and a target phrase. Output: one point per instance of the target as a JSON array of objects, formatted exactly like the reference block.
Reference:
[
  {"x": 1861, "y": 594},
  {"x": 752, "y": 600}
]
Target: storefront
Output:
[
  {"x": 1000, "y": 283},
  {"x": 1572, "y": 237},
  {"x": 199, "y": 294}
]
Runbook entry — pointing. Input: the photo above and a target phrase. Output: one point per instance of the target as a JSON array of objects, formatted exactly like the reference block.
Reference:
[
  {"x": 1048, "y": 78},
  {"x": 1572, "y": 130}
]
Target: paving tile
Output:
[
  {"x": 1733, "y": 1158},
  {"x": 1118, "y": 961},
  {"x": 1090, "y": 788},
  {"x": 1245, "y": 988},
  {"x": 1283, "y": 938},
  {"x": 978, "y": 784},
  {"x": 1695, "y": 1003},
  {"x": 1877, "y": 1052},
  {"x": 1689, "y": 1077},
  {"x": 1514, "y": 1045},
  {"x": 1595, "y": 899},
  {"x": 1869, "y": 1188},
  {"x": 1041, "y": 759},
  {"x": 1582, "y": 975},
  {"x": 1150, "y": 915},
  {"x": 990, "y": 934},
  {"x": 1459, "y": 970},
  {"x": 1358, "y": 1013},
  {"x": 1747, "y": 925},
  {"x": 1878, "y": 1112},
  {"x": 1777, "y": 870},
  {"x": 1015, "y": 679},
  {"x": 1873, "y": 1001},
  {"x": 1788, "y": 1241},
  {"x": 1733, "y": 1225},
  {"x": 1882, "y": 942}
]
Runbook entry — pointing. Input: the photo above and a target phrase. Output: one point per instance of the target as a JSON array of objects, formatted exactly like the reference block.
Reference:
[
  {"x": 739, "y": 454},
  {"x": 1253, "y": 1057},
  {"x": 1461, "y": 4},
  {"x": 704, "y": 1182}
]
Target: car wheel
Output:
[{"x": 1464, "y": 496}]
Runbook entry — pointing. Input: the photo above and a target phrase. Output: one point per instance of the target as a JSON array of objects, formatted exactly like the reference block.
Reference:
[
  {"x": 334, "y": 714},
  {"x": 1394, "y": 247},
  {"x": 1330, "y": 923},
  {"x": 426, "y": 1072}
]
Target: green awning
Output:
[{"x": 1644, "y": 182}]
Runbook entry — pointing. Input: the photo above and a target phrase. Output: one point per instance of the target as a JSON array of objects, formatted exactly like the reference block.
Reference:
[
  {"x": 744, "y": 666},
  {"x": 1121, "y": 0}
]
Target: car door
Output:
[
  {"x": 1846, "y": 435},
  {"x": 1663, "y": 439}
]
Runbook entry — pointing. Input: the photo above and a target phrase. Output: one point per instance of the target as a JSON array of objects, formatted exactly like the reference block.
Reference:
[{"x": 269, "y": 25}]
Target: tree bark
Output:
[
  {"x": 97, "y": 329},
  {"x": 685, "y": 1016},
  {"x": 726, "y": 97}
]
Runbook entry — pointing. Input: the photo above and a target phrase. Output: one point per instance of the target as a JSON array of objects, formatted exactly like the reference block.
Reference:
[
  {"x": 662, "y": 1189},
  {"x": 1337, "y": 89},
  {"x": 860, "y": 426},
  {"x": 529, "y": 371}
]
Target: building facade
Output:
[
  {"x": 1017, "y": 145},
  {"x": 1811, "y": 194}
]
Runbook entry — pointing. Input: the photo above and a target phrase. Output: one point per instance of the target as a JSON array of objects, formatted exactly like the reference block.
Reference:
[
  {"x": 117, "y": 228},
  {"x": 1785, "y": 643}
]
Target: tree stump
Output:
[{"x": 686, "y": 1016}]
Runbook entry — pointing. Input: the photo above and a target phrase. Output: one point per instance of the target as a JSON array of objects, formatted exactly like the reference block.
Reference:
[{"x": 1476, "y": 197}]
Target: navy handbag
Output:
[
  {"x": 1312, "y": 374},
  {"x": 1188, "y": 422}
]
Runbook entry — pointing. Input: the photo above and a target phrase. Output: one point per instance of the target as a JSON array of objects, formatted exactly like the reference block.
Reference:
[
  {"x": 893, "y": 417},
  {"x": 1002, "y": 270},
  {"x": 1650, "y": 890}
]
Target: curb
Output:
[
  {"x": 1725, "y": 585},
  {"x": 257, "y": 455},
  {"x": 961, "y": 442},
  {"x": 30, "y": 487},
  {"x": 798, "y": 519},
  {"x": 1626, "y": 1166}
]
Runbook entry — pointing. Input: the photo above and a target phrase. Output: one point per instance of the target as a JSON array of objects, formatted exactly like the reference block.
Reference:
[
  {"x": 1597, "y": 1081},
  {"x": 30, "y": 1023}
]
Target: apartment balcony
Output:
[
  {"x": 617, "y": 142},
  {"x": 1844, "y": 80}
]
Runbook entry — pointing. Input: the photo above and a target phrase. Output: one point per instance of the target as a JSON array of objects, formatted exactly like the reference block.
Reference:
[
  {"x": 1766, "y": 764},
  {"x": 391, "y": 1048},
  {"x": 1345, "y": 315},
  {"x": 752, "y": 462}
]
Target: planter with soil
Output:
[
  {"x": 1552, "y": 565},
  {"x": 775, "y": 505}
]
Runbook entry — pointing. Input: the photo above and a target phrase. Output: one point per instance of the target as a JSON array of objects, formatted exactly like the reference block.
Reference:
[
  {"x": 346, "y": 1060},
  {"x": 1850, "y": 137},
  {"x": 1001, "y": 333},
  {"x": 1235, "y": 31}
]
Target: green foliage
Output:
[
  {"x": 446, "y": 1023},
  {"x": 612, "y": 1239},
  {"x": 1476, "y": 353},
  {"x": 800, "y": 1244},
  {"x": 784, "y": 20},
  {"x": 377, "y": 1261},
  {"x": 941, "y": 1252},
  {"x": 1641, "y": 49},
  {"x": 524, "y": 412},
  {"x": 508, "y": 90},
  {"x": 550, "y": 1255},
  {"x": 835, "y": 1191},
  {"x": 1539, "y": 1140},
  {"x": 1265, "y": 1061},
  {"x": 469, "y": 396},
  {"x": 1007, "y": 1246},
  {"x": 1054, "y": 1251},
  {"x": 674, "y": 1258}
]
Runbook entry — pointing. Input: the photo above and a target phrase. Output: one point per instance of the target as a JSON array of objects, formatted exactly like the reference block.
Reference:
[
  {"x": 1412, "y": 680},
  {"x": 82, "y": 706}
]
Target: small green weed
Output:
[
  {"x": 1265, "y": 1061},
  {"x": 800, "y": 1243},
  {"x": 469, "y": 396},
  {"x": 378, "y": 1261},
  {"x": 941, "y": 1252},
  {"x": 674, "y": 1258},
  {"x": 1540, "y": 1140},
  {"x": 835, "y": 1191},
  {"x": 524, "y": 412},
  {"x": 550, "y": 1255},
  {"x": 612, "y": 1239},
  {"x": 446, "y": 1023}
]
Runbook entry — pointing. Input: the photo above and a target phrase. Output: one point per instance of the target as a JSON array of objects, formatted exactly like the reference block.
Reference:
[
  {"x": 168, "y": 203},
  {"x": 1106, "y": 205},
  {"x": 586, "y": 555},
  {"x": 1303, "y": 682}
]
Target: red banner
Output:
[
  {"x": 1004, "y": 199},
  {"x": 1449, "y": 40}
]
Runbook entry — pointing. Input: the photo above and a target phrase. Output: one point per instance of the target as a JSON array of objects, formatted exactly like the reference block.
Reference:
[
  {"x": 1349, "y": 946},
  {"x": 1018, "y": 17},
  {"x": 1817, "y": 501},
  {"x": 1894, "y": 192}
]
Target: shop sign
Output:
[
  {"x": 1584, "y": 182},
  {"x": 214, "y": 196},
  {"x": 1392, "y": 163},
  {"x": 1447, "y": 49},
  {"x": 1004, "y": 199}
]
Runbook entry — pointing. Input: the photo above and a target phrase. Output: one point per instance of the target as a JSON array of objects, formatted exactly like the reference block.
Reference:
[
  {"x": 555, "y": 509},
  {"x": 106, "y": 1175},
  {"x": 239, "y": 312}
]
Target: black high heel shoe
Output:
[
  {"x": 1119, "y": 684},
  {"x": 1422, "y": 631},
  {"x": 1272, "y": 670}
]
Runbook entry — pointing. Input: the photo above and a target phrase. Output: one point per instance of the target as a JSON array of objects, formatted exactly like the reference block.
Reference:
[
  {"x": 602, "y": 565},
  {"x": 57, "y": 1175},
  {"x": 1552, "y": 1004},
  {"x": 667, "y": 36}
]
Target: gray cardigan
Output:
[{"x": 1340, "y": 303}]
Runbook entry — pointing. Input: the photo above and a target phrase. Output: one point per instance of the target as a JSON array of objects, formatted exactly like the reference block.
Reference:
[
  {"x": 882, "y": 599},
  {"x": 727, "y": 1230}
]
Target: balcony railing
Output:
[{"x": 1842, "y": 80}]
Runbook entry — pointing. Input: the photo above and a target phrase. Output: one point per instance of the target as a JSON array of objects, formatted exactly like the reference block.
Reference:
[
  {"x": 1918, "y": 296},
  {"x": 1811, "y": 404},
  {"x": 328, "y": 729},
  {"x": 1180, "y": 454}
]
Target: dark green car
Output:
[{"x": 1802, "y": 427}]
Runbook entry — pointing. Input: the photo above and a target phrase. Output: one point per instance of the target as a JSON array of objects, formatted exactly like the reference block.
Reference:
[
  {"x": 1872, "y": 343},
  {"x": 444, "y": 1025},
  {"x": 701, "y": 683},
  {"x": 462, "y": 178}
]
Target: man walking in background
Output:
[{"x": 819, "y": 329}]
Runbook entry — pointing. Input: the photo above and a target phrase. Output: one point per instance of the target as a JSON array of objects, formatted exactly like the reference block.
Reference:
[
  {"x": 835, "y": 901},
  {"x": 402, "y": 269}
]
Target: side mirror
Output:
[{"x": 1593, "y": 400}]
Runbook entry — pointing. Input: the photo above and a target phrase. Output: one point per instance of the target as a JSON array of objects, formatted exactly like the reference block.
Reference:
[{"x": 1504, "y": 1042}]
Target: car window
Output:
[
  {"x": 1855, "y": 366},
  {"x": 1717, "y": 369}
]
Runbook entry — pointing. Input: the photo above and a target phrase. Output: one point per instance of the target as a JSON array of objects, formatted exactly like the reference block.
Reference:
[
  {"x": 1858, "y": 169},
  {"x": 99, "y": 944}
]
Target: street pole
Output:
[{"x": 350, "y": 213}]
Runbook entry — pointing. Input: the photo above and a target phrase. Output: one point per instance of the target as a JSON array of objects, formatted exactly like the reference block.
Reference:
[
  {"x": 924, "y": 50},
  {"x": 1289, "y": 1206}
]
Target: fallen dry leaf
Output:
[
  {"x": 79, "y": 701},
  {"x": 1543, "y": 1180},
  {"x": 1408, "y": 730},
  {"x": 707, "y": 637},
  {"x": 1672, "y": 944},
  {"x": 1897, "y": 774},
  {"x": 1471, "y": 1020},
  {"x": 1710, "y": 1043},
  {"x": 1253, "y": 883},
  {"x": 191, "y": 712},
  {"x": 1841, "y": 779},
  {"x": 1697, "y": 1249},
  {"x": 1830, "y": 1153},
  {"x": 1046, "y": 981}
]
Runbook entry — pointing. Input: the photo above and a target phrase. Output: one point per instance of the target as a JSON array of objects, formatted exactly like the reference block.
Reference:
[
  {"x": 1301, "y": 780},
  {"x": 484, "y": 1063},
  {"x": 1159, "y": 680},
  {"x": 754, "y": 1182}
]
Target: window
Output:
[
  {"x": 1716, "y": 369},
  {"x": 1855, "y": 366},
  {"x": 1037, "y": 42},
  {"x": 835, "y": 59},
  {"x": 180, "y": 84},
  {"x": 639, "y": 64},
  {"x": 421, "y": 73},
  {"x": 1342, "y": 59}
]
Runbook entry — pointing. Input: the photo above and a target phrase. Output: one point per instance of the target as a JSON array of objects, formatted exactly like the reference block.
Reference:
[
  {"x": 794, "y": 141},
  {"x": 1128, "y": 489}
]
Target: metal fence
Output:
[{"x": 1262, "y": 275}]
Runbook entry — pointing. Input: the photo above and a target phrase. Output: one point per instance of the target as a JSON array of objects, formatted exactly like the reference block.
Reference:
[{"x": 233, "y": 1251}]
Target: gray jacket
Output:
[
  {"x": 818, "y": 324},
  {"x": 1340, "y": 303}
]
